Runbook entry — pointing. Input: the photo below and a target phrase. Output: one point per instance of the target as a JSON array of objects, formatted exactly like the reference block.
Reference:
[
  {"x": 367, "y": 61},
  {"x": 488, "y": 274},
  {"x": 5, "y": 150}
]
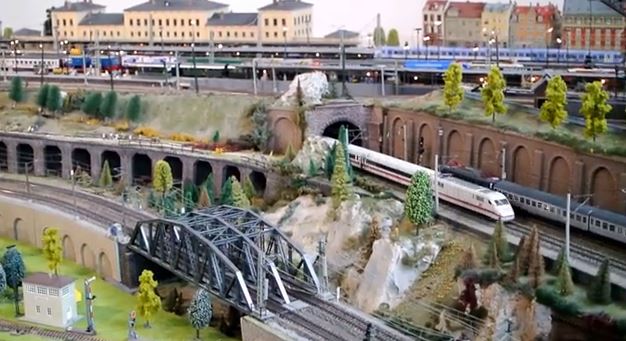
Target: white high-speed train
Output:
[{"x": 458, "y": 192}]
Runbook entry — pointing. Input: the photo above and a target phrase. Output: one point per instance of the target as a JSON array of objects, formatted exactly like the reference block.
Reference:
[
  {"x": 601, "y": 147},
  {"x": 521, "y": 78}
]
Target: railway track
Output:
[
  {"x": 52, "y": 334},
  {"x": 94, "y": 208}
]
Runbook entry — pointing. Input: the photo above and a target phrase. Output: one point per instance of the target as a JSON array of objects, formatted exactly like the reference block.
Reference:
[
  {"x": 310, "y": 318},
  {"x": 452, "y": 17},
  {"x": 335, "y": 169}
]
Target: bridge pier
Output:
[
  {"x": 39, "y": 162},
  {"x": 11, "y": 155},
  {"x": 254, "y": 330}
]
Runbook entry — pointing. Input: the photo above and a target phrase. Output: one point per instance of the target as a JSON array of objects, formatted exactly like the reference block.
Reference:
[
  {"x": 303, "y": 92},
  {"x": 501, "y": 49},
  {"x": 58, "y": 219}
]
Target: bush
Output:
[
  {"x": 147, "y": 132},
  {"x": 551, "y": 298},
  {"x": 285, "y": 168},
  {"x": 368, "y": 185},
  {"x": 182, "y": 137},
  {"x": 621, "y": 326},
  {"x": 121, "y": 126}
]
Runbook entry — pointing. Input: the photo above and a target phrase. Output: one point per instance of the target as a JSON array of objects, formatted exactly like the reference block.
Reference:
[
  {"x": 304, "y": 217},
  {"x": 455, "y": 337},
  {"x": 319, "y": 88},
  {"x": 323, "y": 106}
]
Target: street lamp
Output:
[
  {"x": 110, "y": 66},
  {"x": 285, "y": 42},
  {"x": 417, "y": 41},
  {"x": 558, "y": 49},
  {"x": 193, "y": 57},
  {"x": 494, "y": 34},
  {"x": 567, "y": 47},
  {"x": 14, "y": 45},
  {"x": 426, "y": 39},
  {"x": 548, "y": 39},
  {"x": 73, "y": 179},
  {"x": 567, "y": 218},
  {"x": 406, "y": 50},
  {"x": 42, "y": 67},
  {"x": 438, "y": 30}
]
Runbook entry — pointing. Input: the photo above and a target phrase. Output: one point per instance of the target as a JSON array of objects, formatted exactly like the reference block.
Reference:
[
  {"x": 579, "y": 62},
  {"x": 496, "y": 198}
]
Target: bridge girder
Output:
[{"x": 218, "y": 249}]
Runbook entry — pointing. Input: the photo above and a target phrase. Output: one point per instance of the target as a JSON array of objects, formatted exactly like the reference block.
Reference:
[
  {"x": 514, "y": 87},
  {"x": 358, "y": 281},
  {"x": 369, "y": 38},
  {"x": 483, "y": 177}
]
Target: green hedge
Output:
[{"x": 551, "y": 298}]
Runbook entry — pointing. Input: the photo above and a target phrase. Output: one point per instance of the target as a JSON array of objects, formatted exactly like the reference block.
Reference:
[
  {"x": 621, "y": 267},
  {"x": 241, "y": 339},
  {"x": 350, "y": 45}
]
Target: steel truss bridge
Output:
[{"x": 230, "y": 252}]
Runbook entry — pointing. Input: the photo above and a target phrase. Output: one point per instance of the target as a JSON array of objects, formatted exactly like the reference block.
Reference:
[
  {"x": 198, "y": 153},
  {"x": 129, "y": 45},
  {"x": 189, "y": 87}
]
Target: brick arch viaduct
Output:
[
  {"x": 53, "y": 155},
  {"x": 527, "y": 160}
]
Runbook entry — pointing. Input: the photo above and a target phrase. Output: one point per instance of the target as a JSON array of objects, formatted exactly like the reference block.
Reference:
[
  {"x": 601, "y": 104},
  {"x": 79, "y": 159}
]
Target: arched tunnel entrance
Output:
[
  {"x": 259, "y": 181},
  {"x": 25, "y": 158},
  {"x": 231, "y": 171},
  {"x": 115, "y": 163},
  {"x": 177, "y": 169},
  {"x": 53, "y": 161},
  {"x": 202, "y": 169},
  {"x": 81, "y": 159},
  {"x": 142, "y": 169},
  {"x": 354, "y": 133},
  {"x": 4, "y": 157}
]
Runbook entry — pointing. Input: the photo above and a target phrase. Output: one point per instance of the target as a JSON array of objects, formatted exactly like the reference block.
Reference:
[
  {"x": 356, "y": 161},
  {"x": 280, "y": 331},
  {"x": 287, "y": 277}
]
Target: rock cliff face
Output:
[{"x": 314, "y": 87}]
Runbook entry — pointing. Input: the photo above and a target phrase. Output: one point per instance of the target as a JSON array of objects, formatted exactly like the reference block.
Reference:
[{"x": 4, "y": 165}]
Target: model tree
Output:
[
  {"x": 209, "y": 184},
  {"x": 492, "y": 94},
  {"x": 418, "y": 205},
  {"x": 553, "y": 110},
  {"x": 15, "y": 270},
  {"x": 200, "y": 311},
  {"x": 452, "y": 91},
  {"x": 133, "y": 110},
  {"x": 312, "y": 169},
  {"x": 203, "y": 200},
  {"x": 500, "y": 241},
  {"x": 227, "y": 192},
  {"x": 7, "y": 33},
  {"x": 106, "y": 180},
  {"x": 3, "y": 280},
  {"x": 329, "y": 161},
  {"x": 600, "y": 290},
  {"x": 16, "y": 91},
  {"x": 52, "y": 249},
  {"x": 535, "y": 260},
  {"x": 373, "y": 235},
  {"x": 564, "y": 282},
  {"x": 188, "y": 201},
  {"x": 345, "y": 141},
  {"x": 108, "y": 105},
  {"x": 216, "y": 137},
  {"x": 53, "y": 100},
  {"x": 493, "y": 259},
  {"x": 558, "y": 262},
  {"x": 469, "y": 259},
  {"x": 340, "y": 182},
  {"x": 248, "y": 188},
  {"x": 289, "y": 154},
  {"x": 148, "y": 302},
  {"x": 595, "y": 107},
  {"x": 42, "y": 96},
  {"x": 393, "y": 38},
  {"x": 261, "y": 133},
  {"x": 162, "y": 180},
  {"x": 189, "y": 187},
  {"x": 379, "y": 37},
  {"x": 91, "y": 106},
  {"x": 239, "y": 197}
]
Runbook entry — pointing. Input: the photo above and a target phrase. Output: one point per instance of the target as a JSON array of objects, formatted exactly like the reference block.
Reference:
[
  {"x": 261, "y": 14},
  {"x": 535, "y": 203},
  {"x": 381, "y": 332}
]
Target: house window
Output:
[
  {"x": 182, "y": 22},
  {"x": 267, "y": 34},
  {"x": 132, "y": 34},
  {"x": 198, "y": 22},
  {"x": 104, "y": 33},
  {"x": 49, "y": 311},
  {"x": 160, "y": 22},
  {"x": 243, "y": 34},
  {"x": 236, "y": 34},
  {"x": 197, "y": 34},
  {"x": 175, "y": 22},
  {"x": 42, "y": 290},
  {"x": 284, "y": 22},
  {"x": 64, "y": 22},
  {"x": 138, "y": 21},
  {"x": 251, "y": 34},
  {"x": 267, "y": 22},
  {"x": 275, "y": 22},
  {"x": 190, "y": 22},
  {"x": 145, "y": 33},
  {"x": 182, "y": 34},
  {"x": 71, "y": 22},
  {"x": 284, "y": 34},
  {"x": 31, "y": 288},
  {"x": 111, "y": 33},
  {"x": 228, "y": 34},
  {"x": 145, "y": 22},
  {"x": 219, "y": 34},
  {"x": 38, "y": 308},
  {"x": 167, "y": 22},
  {"x": 275, "y": 34}
]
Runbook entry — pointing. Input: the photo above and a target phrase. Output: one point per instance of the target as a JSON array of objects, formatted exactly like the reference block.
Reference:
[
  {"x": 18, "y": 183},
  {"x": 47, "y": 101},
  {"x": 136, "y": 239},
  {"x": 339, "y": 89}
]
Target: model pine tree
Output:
[
  {"x": 189, "y": 187},
  {"x": 248, "y": 188},
  {"x": 373, "y": 235},
  {"x": 345, "y": 141},
  {"x": 340, "y": 181},
  {"x": 493, "y": 260},
  {"x": 203, "y": 199},
  {"x": 91, "y": 106},
  {"x": 312, "y": 170},
  {"x": 600, "y": 290},
  {"x": 15, "y": 271},
  {"x": 188, "y": 201},
  {"x": 108, "y": 105},
  {"x": 3, "y": 280},
  {"x": 133, "y": 110},
  {"x": 227, "y": 192},
  {"x": 52, "y": 249},
  {"x": 418, "y": 205},
  {"x": 564, "y": 282},
  {"x": 379, "y": 37},
  {"x": 148, "y": 302},
  {"x": 16, "y": 90},
  {"x": 53, "y": 99},
  {"x": 200, "y": 311},
  {"x": 209, "y": 185},
  {"x": 106, "y": 180},
  {"x": 560, "y": 258},
  {"x": 554, "y": 109},
  {"x": 515, "y": 270},
  {"x": 595, "y": 107},
  {"x": 261, "y": 133},
  {"x": 329, "y": 161},
  {"x": 492, "y": 93},
  {"x": 500, "y": 241},
  {"x": 42, "y": 96},
  {"x": 239, "y": 197},
  {"x": 469, "y": 260},
  {"x": 289, "y": 154},
  {"x": 452, "y": 91},
  {"x": 535, "y": 261}
]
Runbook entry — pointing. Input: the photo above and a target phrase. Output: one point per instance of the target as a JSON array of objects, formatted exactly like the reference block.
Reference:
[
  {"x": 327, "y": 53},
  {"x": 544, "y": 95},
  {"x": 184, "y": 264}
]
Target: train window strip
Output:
[{"x": 389, "y": 169}]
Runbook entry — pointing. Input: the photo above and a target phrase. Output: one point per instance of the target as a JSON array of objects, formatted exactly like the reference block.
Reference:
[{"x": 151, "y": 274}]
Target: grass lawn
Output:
[
  {"x": 111, "y": 307},
  {"x": 616, "y": 310},
  {"x": 519, "y": 118}
]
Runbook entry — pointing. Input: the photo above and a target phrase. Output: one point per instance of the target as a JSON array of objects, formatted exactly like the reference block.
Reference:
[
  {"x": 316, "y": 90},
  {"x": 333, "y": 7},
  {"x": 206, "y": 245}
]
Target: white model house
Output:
[{"x": 49, "y": 300}]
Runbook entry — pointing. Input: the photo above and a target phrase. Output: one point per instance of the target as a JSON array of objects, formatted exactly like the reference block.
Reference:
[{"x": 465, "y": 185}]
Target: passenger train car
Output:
[
  {"x": 549, "y": 206},
  {"x": 515, "y": 54},
  {"x": 455, "y": 191}
]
